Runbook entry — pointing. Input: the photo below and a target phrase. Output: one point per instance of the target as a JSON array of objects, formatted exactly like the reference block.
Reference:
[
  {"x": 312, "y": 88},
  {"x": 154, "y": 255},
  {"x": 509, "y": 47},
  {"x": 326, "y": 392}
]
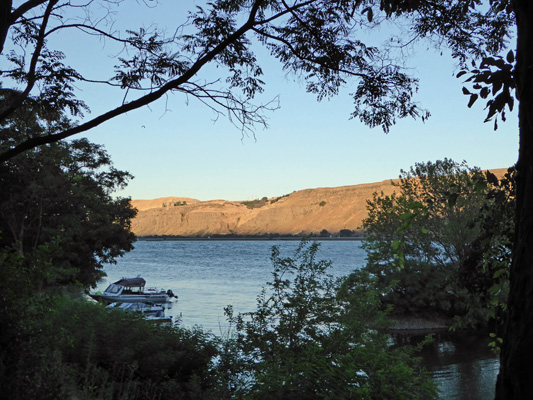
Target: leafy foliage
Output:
[
  {"x": 485, "y": 272},
  {"x": 438, "y": 244},
  {"x": 312, "y": 338},
  {"x": 493, "y": 77},
  {"x": 59, "y": 224},
  {"x": 62, "y": 194},
  {"x": 432, "y": 212},
  {"x": 309, "y": 338},
  {"x": 73, "y": 348},
  {"x": 316, "y": 40}
]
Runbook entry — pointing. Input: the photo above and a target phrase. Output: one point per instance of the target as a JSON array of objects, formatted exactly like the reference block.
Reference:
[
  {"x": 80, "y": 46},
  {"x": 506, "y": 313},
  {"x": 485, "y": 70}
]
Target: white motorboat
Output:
[
  {"x": 151, "y": 312},
  {"x": 132, "y": 290}
]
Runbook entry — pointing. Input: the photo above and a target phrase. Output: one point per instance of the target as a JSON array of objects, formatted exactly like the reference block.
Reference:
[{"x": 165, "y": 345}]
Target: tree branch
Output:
[
  {"x": 25, "y": 7},
  {"x": 31, "y": 77},
  {"x": 140, "y": 102}
]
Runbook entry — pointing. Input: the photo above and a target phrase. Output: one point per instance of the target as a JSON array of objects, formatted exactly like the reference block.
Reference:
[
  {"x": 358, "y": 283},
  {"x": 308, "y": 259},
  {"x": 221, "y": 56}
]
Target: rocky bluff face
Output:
[{"x": 302, "y": 212}]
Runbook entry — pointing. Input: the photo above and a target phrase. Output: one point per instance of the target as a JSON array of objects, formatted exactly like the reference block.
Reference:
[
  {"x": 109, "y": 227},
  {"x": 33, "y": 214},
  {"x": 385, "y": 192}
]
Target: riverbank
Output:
[
  {"x": 417, "y": 325},
  {"x": 230, "y": 237}
]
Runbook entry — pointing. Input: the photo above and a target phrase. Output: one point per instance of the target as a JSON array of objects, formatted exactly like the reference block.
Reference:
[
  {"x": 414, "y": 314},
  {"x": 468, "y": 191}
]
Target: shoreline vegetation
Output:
[
  {"x": 401, "y": 324},
  {"x": 360, "y": 322}
]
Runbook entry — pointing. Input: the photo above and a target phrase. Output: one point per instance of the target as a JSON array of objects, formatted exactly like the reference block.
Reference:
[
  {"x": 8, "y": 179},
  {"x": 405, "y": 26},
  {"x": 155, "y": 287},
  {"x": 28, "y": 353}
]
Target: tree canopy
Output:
[
  {"x": 61, "y": 196},
  {"x": 319, "y": 40}
]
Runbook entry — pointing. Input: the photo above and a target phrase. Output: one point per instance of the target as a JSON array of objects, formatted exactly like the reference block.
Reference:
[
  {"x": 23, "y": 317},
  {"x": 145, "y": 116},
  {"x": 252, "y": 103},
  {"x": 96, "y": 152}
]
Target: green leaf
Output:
[
  {"x": 498, "y": 273},
  {"x": 416, "y": 205},
  {"x": 495, "y": 289},
  {"x": 407, "y": 216}
]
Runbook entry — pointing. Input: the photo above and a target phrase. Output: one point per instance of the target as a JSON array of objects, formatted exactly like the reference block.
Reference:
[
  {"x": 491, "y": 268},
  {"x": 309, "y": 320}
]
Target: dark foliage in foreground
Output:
[
  {"x": 310, "y": 338},
  {"x": 75, "y": 349}
]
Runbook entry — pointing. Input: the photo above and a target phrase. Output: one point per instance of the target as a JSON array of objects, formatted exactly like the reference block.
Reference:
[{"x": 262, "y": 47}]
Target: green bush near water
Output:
[
  {"x": 440, "y": 246},
  {"x": 313, "y": 337}
]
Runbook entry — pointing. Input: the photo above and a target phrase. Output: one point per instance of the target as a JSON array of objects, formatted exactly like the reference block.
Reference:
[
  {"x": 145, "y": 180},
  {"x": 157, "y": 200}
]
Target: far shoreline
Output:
[{"x": 226, "y": 238}]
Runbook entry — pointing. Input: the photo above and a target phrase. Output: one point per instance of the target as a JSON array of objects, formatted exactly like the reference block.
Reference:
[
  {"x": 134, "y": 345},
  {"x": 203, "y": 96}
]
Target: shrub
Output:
[
  {"x": 311, "y": 338},
  {"x": 79, "y": 349}
]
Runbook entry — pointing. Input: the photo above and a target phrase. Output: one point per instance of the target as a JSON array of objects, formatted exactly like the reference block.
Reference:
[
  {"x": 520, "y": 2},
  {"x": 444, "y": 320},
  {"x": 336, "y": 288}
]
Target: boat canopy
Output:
[{"x": 129, "y": 282}]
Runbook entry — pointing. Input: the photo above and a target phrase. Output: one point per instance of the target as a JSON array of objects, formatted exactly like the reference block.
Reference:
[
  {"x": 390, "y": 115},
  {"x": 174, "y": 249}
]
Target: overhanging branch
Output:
[{"x": 140, "y": 102}]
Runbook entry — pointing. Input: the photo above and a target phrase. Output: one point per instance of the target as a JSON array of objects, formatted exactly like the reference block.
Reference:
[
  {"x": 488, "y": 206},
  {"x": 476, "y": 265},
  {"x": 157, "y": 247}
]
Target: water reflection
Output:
[{"x": 462, "y": 365}]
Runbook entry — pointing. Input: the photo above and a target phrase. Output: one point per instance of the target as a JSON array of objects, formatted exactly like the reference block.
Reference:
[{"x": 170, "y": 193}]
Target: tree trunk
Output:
[
  {"x": 515, "y": 380},
  {"x": 5, "y": 16}
]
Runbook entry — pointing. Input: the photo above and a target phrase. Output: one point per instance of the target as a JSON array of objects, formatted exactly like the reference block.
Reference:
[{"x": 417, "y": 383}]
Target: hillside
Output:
[{"x": 301, "y": 212}]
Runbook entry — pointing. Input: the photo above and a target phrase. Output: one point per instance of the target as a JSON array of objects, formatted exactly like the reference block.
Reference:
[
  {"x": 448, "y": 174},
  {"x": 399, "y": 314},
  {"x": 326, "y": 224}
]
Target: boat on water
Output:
[
  {"x": 151, "y": 312},
  {"x": 132, "y": 290}
]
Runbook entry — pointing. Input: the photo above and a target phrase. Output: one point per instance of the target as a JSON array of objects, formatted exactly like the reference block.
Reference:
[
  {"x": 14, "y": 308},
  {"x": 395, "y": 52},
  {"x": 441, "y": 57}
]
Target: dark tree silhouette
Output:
[{"x": 317, "y": 39}]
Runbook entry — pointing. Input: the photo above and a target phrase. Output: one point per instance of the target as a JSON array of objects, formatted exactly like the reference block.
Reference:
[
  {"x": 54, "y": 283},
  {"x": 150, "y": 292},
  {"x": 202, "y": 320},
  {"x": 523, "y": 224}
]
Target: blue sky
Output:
[{"x": 177, "y": 149}]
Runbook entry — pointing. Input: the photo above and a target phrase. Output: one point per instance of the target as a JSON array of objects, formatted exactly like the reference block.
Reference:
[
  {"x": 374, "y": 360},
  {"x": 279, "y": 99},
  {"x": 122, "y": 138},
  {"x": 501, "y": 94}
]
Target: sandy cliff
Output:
[
  {"x": 301, "y": 212},
  {"x": 305, "y": 211}
]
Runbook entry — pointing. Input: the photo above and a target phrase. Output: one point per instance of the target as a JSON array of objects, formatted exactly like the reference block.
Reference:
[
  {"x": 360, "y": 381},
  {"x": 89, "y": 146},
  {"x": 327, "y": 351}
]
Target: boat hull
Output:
[{"x": 132, "y": 298}]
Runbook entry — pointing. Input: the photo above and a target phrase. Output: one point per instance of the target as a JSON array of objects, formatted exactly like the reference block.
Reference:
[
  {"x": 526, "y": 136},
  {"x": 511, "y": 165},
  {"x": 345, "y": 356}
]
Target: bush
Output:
[
  {"x": 419, "y": 289},
  {"x": 441, "y": 245},
  {"x": 311, "y": 338},
  {"x": 79, "y": 349}
]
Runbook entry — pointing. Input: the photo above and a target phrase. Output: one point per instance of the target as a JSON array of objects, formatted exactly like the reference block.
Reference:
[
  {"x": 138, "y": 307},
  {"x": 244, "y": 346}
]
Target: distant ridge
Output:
[{"x": 299, "y": 213}]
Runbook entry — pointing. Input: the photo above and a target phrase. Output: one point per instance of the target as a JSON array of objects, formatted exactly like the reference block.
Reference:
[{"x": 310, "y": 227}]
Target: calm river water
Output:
[{"x": 208, "y": 275}]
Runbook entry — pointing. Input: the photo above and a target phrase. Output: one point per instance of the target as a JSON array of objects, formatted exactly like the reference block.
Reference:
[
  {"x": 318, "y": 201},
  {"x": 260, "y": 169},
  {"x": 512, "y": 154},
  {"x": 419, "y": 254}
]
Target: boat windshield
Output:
[{"x": 114, "y": 289}]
